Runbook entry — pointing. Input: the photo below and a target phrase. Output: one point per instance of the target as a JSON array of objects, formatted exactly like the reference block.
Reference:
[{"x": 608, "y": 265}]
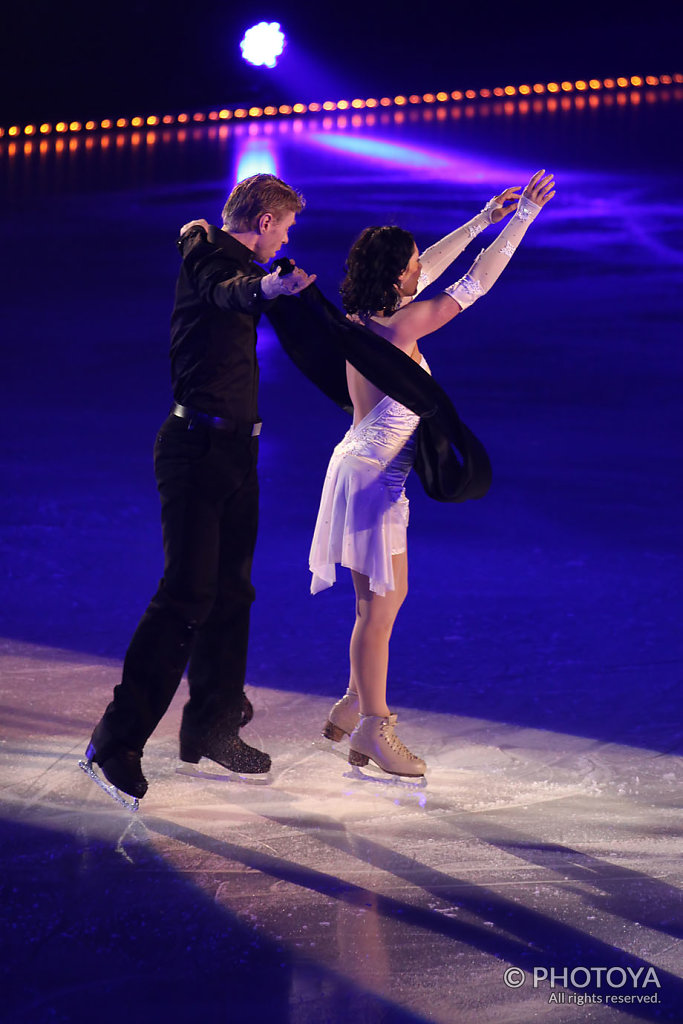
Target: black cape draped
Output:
[{"x": 451, "y": 462}]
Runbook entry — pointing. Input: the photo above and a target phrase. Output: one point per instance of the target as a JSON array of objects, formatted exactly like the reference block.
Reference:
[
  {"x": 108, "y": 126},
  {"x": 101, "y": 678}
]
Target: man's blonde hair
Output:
[{"x": 259, "y": 194}]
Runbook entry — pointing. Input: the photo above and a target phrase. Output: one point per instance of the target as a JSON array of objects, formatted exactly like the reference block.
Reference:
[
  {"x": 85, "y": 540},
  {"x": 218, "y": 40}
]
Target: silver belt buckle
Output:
[{"x": 256, "y": 429}]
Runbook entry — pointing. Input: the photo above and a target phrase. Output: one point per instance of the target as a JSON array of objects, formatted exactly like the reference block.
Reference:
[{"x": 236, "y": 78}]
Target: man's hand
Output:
[
  {"x": 509, "y": 196},
  {"x": 540, "y": 189},
  {"x": 275, "y": 284},
  {"x": 194, "y": 223}
]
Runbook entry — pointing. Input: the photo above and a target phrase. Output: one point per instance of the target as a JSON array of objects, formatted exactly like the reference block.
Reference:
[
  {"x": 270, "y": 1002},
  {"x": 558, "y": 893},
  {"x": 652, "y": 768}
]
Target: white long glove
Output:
[
  {"x": 491, "y": 262},
  {"x": 437, "y": 257}
]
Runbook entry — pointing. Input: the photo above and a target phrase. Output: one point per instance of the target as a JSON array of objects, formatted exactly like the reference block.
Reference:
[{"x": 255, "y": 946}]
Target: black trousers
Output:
[{"x": 200, "y": 613}]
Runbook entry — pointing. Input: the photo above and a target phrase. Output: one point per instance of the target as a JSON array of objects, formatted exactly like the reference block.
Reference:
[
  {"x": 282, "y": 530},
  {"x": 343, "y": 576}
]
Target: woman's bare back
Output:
[{"x": 365, "y": 395}]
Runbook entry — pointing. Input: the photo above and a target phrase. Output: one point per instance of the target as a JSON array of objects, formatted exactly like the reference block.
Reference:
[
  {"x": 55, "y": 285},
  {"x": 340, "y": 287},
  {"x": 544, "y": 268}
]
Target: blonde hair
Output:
[{"x": 259, "y": 194}]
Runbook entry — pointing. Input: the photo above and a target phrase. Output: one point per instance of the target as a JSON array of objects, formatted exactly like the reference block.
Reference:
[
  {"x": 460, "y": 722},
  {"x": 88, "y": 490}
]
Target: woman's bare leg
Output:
[{"x": 369, "y": 647}]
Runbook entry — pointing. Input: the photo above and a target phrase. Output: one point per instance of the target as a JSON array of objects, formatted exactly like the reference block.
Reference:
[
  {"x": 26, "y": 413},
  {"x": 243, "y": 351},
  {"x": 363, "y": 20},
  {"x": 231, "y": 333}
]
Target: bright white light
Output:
[
  {"x": 263, "y": 43},
  {"x": 255, "y": 156}
]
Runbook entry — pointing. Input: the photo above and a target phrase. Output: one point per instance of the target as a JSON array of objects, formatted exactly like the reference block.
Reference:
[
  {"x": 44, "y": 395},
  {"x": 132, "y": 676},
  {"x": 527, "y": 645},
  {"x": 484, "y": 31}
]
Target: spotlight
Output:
[{"x": 263, "y": 43}]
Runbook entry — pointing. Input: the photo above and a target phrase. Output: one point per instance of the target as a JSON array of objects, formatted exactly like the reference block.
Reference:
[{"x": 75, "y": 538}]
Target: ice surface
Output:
[{"x": 523, "y": 847}]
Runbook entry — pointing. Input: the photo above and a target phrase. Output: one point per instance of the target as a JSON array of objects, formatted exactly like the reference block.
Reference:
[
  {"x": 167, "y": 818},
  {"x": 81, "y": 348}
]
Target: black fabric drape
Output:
[{"x": 451, "y": 462}]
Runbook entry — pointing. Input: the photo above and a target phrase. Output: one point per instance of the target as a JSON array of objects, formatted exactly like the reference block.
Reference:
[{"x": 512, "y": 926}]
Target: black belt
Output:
[{"x": 217, "y": 422}]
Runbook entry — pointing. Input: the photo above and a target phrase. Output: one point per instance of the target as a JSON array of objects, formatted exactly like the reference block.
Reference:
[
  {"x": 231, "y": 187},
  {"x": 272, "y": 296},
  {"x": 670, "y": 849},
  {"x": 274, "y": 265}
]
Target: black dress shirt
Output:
[{"x": 218, "y": 303}]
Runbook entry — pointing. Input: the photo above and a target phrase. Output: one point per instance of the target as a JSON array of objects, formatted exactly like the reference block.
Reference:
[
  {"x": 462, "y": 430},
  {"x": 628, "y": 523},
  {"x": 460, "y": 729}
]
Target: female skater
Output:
[{"x": 363, "y": 511}]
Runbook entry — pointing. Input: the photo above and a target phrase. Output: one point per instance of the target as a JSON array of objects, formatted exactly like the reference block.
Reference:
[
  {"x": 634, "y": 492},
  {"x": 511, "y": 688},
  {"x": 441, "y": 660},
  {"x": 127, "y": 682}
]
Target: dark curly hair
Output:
[{"x": 377, "y": 258}]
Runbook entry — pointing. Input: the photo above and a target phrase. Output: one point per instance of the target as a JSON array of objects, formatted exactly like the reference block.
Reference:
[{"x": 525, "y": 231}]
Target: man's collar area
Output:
[{"x": 224, "y": 240}]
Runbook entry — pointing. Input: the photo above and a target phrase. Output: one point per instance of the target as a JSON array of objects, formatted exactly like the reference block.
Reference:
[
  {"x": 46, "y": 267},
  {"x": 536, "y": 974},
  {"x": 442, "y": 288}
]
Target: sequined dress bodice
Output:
[{"x": 386, "y": 435}]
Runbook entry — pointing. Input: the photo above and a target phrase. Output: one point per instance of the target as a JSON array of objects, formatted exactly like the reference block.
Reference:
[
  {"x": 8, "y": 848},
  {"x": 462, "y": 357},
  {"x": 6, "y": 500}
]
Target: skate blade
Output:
[
  {"x": 130, "y": 802},
  {"x": 411, "y": 782},
  {"x": 193, "y": 771}
]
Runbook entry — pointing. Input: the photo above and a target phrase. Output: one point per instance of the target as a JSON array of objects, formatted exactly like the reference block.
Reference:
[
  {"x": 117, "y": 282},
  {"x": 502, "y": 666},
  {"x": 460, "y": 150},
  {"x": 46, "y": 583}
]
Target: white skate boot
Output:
[
  {"x": 374, "y": 739},
  {"x": 343, "y": 717}
]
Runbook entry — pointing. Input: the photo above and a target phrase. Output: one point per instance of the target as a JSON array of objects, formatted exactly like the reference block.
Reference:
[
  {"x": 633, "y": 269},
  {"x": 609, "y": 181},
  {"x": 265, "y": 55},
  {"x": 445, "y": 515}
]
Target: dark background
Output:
[{"x": 79, "y": 59}]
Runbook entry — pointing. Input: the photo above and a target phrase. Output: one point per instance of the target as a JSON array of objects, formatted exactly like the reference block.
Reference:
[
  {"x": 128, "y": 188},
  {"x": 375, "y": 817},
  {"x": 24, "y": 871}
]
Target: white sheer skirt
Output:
[{"x": 363, "y": 514}]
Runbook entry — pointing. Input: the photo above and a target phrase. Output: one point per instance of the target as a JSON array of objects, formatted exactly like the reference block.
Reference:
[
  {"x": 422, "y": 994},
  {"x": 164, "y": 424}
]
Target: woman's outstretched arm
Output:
[
  {"x": 438, "y": 257},
  {"x": 491, "y": 262},
  {"x": 421, "y": 318}
]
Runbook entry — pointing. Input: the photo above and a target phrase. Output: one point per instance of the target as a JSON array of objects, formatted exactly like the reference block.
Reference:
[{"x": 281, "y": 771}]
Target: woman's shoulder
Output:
[{"x": 395, "y": 328}]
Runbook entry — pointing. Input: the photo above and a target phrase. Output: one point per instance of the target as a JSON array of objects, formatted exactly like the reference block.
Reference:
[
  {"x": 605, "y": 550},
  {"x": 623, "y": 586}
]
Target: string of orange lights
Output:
[{"x": 286, "y": 110}]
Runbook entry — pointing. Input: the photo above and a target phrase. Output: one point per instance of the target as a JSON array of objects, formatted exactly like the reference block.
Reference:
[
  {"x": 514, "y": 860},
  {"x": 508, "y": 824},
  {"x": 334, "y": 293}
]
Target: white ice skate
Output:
[{"x": 343, "y": 717}]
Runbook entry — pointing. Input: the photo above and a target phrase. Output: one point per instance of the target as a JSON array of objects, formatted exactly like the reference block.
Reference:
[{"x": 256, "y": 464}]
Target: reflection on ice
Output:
[{"x": 424, "y": 161}]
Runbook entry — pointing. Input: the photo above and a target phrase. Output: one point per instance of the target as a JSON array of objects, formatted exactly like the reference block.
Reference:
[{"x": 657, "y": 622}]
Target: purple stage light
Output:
[
  {"x": 425, "y": 163},
  {"x": 263, "y": 43}
]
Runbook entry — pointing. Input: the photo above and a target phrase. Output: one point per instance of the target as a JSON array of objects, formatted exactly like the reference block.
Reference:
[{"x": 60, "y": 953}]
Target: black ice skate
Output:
[
  {"x": 247, "y": 711},
  {"x": 229, "y": 751},
  {"x": 123, "y": 779}
]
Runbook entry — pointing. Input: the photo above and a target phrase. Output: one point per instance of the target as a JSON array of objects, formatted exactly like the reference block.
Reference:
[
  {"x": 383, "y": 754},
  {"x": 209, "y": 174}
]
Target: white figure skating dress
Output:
[{"x": 363, "y": 513}]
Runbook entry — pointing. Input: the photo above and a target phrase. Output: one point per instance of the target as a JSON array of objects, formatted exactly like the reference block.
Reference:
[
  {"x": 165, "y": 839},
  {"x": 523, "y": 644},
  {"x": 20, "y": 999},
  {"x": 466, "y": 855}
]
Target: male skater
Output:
[{"x": 205, "y": 466}]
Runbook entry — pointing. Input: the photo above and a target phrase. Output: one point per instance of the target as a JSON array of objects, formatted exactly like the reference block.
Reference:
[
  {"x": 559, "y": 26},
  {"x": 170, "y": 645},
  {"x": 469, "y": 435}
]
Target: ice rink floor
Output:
[{"x": 535, "y": 874}]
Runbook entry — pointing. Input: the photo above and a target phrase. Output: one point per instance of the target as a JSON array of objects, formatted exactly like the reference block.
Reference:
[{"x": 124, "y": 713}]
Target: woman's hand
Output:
[
  {"x": 194, "y": 223},
  {"x": 509, "y": 196},
  {"x": 541, "y": 188}
]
